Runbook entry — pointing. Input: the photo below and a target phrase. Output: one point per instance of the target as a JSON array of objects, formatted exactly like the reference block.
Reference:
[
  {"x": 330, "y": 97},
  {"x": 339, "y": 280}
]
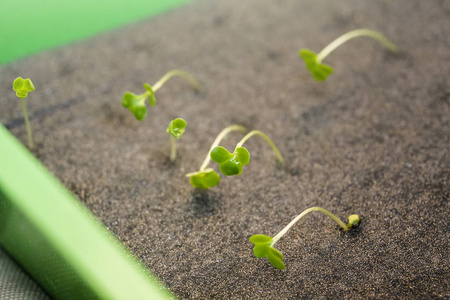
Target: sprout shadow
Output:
[
  {"x": 353, "y": 233},
  {"x": 205, "y": 202}
]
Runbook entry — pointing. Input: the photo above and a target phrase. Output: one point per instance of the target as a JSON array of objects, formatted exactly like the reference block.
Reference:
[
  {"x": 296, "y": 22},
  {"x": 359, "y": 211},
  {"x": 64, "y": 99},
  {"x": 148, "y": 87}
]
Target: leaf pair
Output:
[
  {"x": 177, "y": 127},
  {"x": 204, "y": 179},
  {"x": 263, "y": 248},
  {"x": 136, "y": 103},
  {"x": 22, "y": 87},
  {"x": 319, "y": 71},
  {"x": 230, "y": 163}
]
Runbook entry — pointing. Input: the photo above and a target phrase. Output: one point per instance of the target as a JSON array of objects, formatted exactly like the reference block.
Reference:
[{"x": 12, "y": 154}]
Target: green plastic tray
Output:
[{"x": 57, "y": 240}]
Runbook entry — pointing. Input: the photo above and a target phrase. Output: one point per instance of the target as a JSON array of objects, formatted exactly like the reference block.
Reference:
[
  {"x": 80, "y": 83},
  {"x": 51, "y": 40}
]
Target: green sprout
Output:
[
  {"x": 205, "y": 177},
  {"x": 176, "y": 129},
  {"x": 264, "y": 244},
  {"x": 136, "y": 103},
  {"x": 321, "y": 71},
  {"x": 232, "y": 163},
  {"x": 22, "y": 87}
]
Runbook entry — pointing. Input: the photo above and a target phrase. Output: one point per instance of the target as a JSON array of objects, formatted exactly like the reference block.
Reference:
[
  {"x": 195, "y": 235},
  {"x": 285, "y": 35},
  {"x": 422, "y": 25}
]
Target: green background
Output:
[{"x": 30, "y": 26}]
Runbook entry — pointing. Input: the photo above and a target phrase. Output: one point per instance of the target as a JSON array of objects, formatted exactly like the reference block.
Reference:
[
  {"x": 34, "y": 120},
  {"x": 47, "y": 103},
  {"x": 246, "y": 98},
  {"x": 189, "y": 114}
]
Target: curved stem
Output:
[
  {"x": 352, "y": 34},
  {"x": 173, "y": 149},
  {"x": 197, "y": 86},
  {"x": 142, "y": 97},
  {"x": 285, "y": 229},
  {"x": 268, "y": 140},
  {"x": 217, "y": 141},
  {"x": 27, "y": 124}
]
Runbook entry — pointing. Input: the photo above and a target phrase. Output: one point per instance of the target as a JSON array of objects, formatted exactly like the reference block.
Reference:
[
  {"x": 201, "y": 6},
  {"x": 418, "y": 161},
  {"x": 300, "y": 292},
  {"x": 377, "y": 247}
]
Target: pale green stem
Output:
[
  {"x": 353, "y": 34},
  {"x": 173, "y": 149},
  {"x": 27, "y": 124},
  {"x": 217, "y": 141},
  {"x": 143, "y": 97},
  {"x": 285, "y": 229},
  {"x": 268, "y": 140},
  {"x": 197, "y": 86}
]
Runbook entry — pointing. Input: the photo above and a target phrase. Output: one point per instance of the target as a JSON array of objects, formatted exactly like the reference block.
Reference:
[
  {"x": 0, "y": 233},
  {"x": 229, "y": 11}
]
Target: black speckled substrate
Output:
[{"x": 372, "y": 140}]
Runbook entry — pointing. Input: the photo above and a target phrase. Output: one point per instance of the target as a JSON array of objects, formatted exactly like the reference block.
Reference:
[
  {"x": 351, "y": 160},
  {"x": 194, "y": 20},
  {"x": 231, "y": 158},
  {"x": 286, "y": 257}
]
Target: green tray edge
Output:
[{"x": 57, "y": 240}]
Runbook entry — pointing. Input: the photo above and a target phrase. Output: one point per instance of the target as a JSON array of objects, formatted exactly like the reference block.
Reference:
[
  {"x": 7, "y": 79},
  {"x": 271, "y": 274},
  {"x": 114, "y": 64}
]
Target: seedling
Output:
[
  {"x": 136, "y": 103},
  {"x": 264, "y": 244},
  {"x": 22, "y": 88},
  {"x": 314, "y": 61},
  {"x": 232, "y": 163},
  {"x": 205, "y": 177},
  {"x": 176, "y": 129}
]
